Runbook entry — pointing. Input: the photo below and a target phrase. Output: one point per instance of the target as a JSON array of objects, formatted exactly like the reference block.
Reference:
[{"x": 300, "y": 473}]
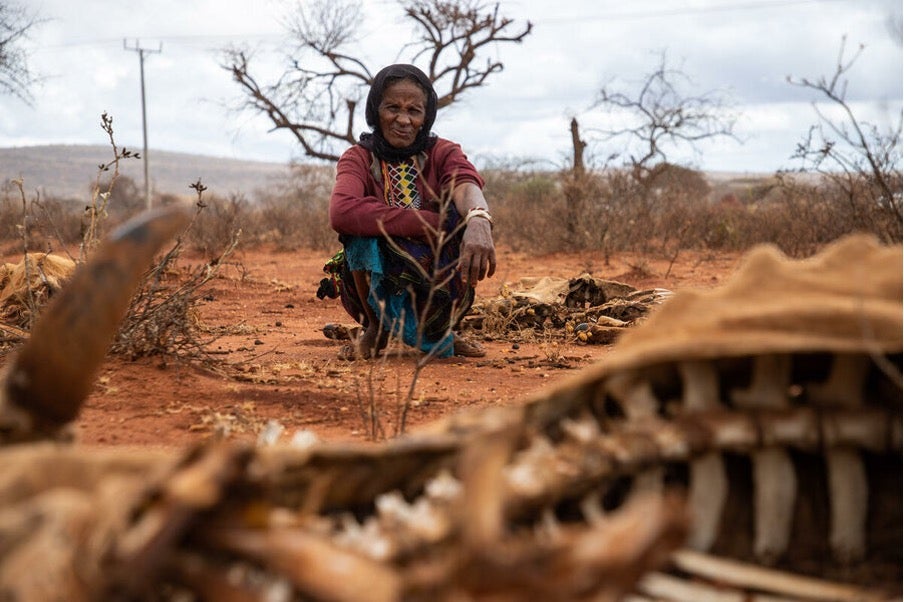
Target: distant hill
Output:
[{"x": 69, "y": 171}]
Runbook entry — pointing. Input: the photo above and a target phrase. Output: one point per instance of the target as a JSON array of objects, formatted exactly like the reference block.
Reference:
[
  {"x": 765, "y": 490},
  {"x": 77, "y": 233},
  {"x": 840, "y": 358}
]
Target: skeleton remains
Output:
[{"x": 741, "y": 444}]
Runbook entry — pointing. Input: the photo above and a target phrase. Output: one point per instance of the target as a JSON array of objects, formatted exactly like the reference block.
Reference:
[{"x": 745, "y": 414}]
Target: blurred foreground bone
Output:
[
  {"x": 542, "y": 501},
  {"x": 49, "y": 377}
]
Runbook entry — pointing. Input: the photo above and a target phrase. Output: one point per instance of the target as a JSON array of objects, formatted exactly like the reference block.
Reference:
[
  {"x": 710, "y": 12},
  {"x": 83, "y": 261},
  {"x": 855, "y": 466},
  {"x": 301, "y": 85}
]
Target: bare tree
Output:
[
  {"x": 862, "y": 159},
  {"x": 662, "y": 114},
  {"x": 317, "y": 97},
  {"x": 16, "y": 77}
]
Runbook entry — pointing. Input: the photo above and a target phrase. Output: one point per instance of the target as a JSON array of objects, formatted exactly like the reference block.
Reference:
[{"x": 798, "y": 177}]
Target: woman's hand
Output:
[
  {"x": 477, "y": 259},
  {"x": 478, "y": 253}
]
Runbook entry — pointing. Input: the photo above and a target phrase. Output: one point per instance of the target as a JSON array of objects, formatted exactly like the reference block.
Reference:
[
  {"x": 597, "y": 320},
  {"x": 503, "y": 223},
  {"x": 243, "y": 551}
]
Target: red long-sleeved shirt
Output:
[{"x": 357, "y": 206}]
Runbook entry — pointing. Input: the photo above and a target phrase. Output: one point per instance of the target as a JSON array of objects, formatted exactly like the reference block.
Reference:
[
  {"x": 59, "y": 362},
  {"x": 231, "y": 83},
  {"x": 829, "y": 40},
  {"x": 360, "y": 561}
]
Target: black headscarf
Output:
[{"x": 374, "y": 141}]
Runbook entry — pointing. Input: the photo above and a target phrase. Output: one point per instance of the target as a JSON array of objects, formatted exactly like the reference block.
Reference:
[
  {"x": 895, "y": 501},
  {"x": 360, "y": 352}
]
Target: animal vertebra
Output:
[{"x": 792, "y": 370}]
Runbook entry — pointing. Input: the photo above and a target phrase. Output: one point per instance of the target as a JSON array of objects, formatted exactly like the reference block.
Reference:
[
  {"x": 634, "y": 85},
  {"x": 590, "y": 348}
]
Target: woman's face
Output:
[{"x": 402, "y": 112}]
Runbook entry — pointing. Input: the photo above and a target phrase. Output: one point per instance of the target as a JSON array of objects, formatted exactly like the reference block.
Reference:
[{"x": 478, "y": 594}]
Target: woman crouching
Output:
[{"x": 390, "y": 206}]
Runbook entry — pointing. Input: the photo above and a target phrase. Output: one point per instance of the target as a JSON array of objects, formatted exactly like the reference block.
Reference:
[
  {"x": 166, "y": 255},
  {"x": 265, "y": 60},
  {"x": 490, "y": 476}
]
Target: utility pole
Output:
[{"x": 144, "y": 120}]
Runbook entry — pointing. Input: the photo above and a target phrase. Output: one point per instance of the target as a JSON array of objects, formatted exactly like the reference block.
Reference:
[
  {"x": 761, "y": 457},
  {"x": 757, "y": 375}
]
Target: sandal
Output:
[
  {"x": 353, "y": 351},
  {"x": 347, "y": 353},
  {"x": 464, "y": 348},
  {"x": 341, "y": 332}
]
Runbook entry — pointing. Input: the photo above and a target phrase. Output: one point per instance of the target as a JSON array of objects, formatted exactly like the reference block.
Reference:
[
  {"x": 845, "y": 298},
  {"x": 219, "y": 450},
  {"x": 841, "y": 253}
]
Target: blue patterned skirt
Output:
[{"x": 416, "y": 295}]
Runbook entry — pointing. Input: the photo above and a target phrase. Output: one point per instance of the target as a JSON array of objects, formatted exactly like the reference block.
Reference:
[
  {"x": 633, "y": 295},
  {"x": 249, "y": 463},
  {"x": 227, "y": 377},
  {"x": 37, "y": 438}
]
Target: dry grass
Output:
[
  {"x": 536, "y": 212},
  {"x": 610, "y": 211}
]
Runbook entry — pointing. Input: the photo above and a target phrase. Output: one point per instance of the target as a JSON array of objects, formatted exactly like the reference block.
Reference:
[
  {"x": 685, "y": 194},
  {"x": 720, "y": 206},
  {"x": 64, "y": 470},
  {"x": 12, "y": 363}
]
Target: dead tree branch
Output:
[
  {"x": 318, "y": 95},
  {"x": 662, "y": 115},
  {"x": 16, "y": 77},
  {"x": 860, "y": 158}
]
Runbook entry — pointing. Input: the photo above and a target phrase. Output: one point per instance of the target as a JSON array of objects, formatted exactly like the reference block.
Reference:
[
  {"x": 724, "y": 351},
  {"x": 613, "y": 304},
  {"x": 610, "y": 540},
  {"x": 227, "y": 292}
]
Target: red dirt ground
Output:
[{"x": 288, "y": 372}]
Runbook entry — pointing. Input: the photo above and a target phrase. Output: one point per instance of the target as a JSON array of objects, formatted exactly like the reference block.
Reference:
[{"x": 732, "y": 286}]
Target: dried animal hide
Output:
[
  {"x": 582, "y": 493},
  {"x": 591, "y": 309},
  {"x": 26, "y": 286},
  {"x": 775, "y": 401}
]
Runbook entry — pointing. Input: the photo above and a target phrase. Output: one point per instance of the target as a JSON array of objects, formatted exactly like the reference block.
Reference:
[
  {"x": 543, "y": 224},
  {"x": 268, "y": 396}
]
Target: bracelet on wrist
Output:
[{"x": 479, "y": 212}]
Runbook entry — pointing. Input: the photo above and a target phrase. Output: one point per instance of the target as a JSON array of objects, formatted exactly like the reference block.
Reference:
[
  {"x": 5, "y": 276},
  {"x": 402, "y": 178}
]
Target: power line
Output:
[
  {"x": 186, "y": 38},
  {"x": 676, "y": 12},
  {"x": 614, "y": 16}
]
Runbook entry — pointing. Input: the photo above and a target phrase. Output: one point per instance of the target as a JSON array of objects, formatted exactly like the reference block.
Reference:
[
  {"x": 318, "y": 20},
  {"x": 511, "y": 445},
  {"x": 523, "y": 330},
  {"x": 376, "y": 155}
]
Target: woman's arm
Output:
[
  {"x": 355, "y": 212},
  {"x": 478, "y": 253}
]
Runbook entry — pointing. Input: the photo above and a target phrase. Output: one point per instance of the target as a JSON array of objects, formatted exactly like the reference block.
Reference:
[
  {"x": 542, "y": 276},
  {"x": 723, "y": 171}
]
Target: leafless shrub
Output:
[
  {"x": 42, "y": 274},
  {"x": 59, "y": 219},
  {"x": 372, "y": 402},
  {"x": 48, "y": 220},
  {"x": 218, "y": 224},
  {"x": 675, "y": 208},
  {"x": 587, "y": 211},
  {"x": 124, "y": 199},
  {"x": 723, "y": 224},
  {"x": 55, "y": 222},
  {"x": 163, "y": 317},
  {"x": 605, "y": 210},
  {"x": 804, "y": 215},
  {"x": 529, "y": 212},
  {"x": 10, "y": 213},
  {"x": 862, "y": 161},
  {"x": 294, "y": 212},
  {"x": 292, "y": 225},
  {"x": 94, "y": 220},
  {"x": 29, "y": 297}
]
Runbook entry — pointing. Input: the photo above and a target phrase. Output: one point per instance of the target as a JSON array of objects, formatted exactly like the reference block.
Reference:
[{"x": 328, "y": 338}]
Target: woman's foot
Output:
[
  {"x": 465, "y": 348},
  {"x": 372, "y": 341},
  {"x": 369, "y": 343}
]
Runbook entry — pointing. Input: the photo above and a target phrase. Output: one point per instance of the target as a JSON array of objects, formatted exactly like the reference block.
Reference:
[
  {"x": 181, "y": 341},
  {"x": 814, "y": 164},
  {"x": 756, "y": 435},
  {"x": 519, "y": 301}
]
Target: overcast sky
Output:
[{"x": 744, "y": 48}]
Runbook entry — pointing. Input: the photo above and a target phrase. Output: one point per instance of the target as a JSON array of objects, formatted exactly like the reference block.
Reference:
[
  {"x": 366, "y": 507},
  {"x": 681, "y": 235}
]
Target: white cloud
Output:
[{"x": 575, "y": 48}]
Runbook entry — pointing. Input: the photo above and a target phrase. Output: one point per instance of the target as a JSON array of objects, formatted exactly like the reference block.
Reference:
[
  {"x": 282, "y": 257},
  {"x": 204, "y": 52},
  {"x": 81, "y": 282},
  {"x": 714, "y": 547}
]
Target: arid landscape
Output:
[
  {"x": 269, "y": 366},
  {"x": 263, "y": 324},
  {"x": 68, "y": 171},
  {"x": 185, "y": 413},
  {"x": 257, "y": 367},
  {"x": 282, "y": 368}
]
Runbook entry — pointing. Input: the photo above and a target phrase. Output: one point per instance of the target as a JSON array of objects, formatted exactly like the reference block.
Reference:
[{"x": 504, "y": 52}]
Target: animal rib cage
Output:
[{"x": 742, "y": 444}]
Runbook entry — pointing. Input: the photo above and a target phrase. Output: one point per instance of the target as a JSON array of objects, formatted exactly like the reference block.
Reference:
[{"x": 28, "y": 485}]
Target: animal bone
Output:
[
  {"x": 848, "y": 486},
  {"x": 512, "y": 503},
  {"x": 724, "y": 571},
  {"x": 708, "y": 483},
  {"x": 774, "y": 307},
  {"x": 775, "y": 482},
  {"x": 45, "y": 383},
  {"x": 848, "y": 500}
]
